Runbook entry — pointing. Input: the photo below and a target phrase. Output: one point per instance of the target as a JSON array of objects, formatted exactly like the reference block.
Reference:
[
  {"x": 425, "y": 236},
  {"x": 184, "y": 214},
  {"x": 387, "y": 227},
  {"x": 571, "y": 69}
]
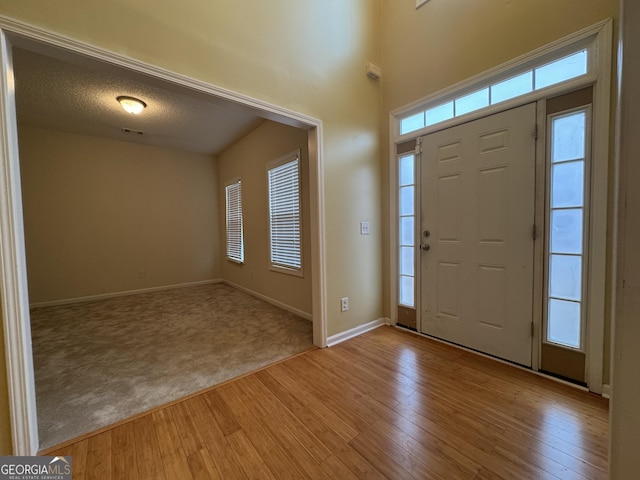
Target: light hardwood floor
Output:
[{"x": 387, "y": 404}]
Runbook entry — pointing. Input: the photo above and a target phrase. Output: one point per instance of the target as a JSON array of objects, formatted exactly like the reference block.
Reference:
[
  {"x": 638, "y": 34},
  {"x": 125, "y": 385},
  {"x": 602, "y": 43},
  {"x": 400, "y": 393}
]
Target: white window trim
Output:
[
  {"x": 599, "y": 38},
  {"x": 234, "y": 181},
  {"x": 275, "y": 267}
]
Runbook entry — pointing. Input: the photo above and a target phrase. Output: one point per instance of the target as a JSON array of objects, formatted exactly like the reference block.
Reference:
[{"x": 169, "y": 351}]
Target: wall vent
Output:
[{"x": 131, "y": 131}]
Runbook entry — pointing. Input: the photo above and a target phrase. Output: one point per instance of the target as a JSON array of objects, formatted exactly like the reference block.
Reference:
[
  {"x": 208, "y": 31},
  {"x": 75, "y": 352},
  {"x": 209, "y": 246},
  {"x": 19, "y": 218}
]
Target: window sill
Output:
[{"x": 296, "y": 272}]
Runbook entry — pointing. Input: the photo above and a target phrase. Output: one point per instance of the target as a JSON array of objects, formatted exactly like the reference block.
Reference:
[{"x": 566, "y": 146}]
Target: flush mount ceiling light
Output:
[{"x": 131, "y": 105}]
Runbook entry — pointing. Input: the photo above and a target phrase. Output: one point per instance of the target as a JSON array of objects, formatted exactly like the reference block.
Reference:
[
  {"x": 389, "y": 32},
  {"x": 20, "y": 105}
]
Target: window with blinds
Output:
[
  {"x": 235, "y": 238},
  {"x": 283, "y": 177}
]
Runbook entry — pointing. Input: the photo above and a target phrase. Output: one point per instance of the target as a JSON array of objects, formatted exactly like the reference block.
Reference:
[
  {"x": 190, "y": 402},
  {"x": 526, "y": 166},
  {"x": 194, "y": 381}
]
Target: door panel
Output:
[
  {"x": 477, "y": 202},
  {"x": 448, "y": 286},
  {"x": 449, "y": 213},
  {"x": 492, "y": 296}
]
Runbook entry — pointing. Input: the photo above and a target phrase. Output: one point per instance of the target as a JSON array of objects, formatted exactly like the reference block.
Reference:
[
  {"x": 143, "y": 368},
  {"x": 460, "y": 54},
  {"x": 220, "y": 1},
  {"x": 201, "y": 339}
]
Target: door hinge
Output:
[
  {"x": 418, "y": 149},
  {"x": 534, "y": 231},
  {"x": 535, "y": 132},
  {"x": 533, "y": 329}
]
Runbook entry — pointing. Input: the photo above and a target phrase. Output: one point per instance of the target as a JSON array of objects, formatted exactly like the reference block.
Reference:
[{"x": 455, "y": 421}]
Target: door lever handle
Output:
[{"x": 425, "y": 247}]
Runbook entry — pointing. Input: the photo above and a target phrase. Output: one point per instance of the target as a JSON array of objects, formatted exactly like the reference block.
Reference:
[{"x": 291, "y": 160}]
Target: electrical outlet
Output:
[
  {"x": 344, "y": 304},
  {"x": 364, "y": 228},
  {"x": 142, "y": 274}
]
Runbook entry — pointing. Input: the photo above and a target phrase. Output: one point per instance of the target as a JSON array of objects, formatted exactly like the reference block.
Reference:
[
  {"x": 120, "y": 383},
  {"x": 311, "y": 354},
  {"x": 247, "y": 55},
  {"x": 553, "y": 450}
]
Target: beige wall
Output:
[
  {"x": 444, "y": 43},
  {"x": 247, "y": 159},
  {"x": 306, "y": 56},
  {"x": 97, "y": 211},
  {"x": 625, "y": 399}
]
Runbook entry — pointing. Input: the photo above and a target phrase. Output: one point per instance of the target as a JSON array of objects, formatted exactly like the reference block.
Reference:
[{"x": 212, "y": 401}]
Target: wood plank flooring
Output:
[{"x": 387, "y": 404}]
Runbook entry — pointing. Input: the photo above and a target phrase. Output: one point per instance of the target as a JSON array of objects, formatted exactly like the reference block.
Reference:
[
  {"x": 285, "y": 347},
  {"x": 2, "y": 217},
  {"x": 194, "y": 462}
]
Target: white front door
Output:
[{"x": 477, "y": 209}]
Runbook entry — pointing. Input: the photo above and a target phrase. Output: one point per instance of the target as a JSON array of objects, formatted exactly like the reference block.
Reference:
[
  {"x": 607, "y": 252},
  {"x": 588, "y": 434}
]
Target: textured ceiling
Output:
[{"x": 80, "y": 97}]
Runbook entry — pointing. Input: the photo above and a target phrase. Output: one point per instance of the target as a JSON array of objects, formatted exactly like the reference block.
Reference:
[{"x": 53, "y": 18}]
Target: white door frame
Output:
[
  {"x": 13, "y": 275},
  {"x": 599, "y": 38}
]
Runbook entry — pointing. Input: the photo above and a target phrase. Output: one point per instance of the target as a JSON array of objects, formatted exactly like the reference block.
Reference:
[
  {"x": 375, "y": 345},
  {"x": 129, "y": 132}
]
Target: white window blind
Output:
[
  {"x": 235, "y": 239},
  {"x": 283, "y": 178}
]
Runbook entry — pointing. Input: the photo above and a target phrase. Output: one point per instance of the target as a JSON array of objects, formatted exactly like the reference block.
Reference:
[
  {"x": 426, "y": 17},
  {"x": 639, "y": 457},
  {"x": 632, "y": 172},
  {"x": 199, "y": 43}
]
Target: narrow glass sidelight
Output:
[
  {"x": 406, "y": 230},
  {"x": 566, "y": 238}
]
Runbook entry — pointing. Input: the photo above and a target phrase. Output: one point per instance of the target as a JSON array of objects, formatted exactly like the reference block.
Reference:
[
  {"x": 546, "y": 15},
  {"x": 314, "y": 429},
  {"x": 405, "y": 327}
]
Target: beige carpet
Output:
[{"x": 100, "y": 362}]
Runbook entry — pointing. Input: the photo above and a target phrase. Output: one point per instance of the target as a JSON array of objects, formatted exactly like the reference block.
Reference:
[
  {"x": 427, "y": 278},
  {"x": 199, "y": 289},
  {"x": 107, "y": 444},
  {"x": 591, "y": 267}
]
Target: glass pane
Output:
[
  {"x": 473, "y": 101},
  {"x": 561, "y": 70},
  {"x": 407, "y": 232},
  {"x": 567, "y": 184},
  {"x": 412, "y": 123},
  {"x": 406, "y": 291},
  {"x": 406, "y": 200},
  {"x": 439, "y": 114},
  {"x": 406, "y": 260},
  {"x": 566, "y": 231},
  {"x": 568, "y": 137},
  {"x": 406, "y": 170},
  {"x": 511, "y": 88},
  {"x": 563, "y": 326},
  {"x": 565, "y": 277}
]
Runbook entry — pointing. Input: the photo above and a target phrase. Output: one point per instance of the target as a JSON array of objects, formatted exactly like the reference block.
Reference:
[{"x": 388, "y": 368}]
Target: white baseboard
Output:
[
  {"x": 104, "y": 296},
  {"x": 354, "y": 332},
  {"x": 606, "y": 390},
  {"x": 272, "y": 301}
]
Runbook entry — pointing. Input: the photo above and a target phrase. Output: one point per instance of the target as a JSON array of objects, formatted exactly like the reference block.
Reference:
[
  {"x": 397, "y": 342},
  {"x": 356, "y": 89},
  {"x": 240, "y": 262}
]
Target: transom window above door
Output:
[{"x": 517, "y": 83}]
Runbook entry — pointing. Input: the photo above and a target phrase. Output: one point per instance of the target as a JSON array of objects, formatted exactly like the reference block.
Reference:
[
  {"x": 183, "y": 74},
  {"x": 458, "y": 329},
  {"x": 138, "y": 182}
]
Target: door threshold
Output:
[
  {"x": 539, "y": 373},
  {"x": 563, "y": 378},
  {"x": 405, "y": 327}
]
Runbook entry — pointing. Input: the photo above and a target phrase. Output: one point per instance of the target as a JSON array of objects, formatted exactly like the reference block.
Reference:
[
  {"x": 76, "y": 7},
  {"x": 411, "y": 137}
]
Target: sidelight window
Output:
[
  {"x": 567, "y": 221},
  {"x": 406, "y": 230}
]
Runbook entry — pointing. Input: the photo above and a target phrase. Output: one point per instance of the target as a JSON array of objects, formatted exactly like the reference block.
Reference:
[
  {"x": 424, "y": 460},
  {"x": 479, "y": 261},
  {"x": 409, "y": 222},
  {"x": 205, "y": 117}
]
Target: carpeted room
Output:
[{"x": 105, "y": 216}]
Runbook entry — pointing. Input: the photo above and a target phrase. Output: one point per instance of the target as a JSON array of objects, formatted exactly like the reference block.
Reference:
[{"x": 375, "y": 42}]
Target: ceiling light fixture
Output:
[{"x": 131, "y": 105}]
